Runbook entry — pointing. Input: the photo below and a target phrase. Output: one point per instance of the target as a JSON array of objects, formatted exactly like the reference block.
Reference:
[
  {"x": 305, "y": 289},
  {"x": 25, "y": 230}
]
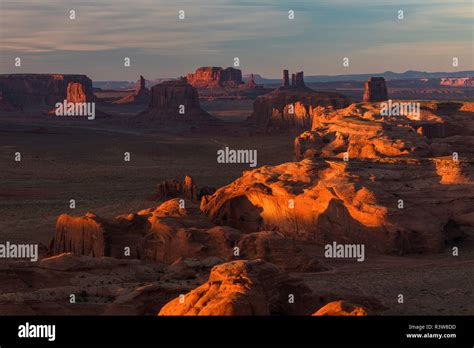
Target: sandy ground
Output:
[{"x": 431, "y": 284}]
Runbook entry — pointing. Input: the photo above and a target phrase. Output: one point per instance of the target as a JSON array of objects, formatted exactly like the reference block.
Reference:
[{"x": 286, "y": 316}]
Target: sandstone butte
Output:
[
  {"x": 215, "y": 77},
  {"x": 400, "y": 190},
  {"x": 291, "y": 106},
  {"x": 174, "y": 101},
  {"x": 375, "y": 90},
  {"x": 22, "y": 91}
]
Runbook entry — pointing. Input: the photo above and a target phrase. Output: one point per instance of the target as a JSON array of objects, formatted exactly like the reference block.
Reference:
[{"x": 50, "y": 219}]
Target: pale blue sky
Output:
[{"x": 215, "y": 31}]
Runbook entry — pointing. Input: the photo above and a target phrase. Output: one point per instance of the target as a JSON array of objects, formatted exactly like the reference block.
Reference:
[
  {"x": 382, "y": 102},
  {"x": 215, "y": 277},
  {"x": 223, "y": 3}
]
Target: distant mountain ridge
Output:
[{"x": 388, "y": 75}]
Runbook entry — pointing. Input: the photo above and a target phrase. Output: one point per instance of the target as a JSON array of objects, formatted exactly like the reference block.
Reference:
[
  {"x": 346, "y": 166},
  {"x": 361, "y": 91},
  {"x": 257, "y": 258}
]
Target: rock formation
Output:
[
  {"x": 215, "y": 77},
  {"x": 291, "y": 108},
  {"x": 174, "y": 101},
  {"x": 172, "y": 189},
  {"x": 360, "y": 132},
  {"x": 365, "y": 179},
  {"x": 299, "y": 80},
  {"x": 250, "y": 84},
  {"x": 341, "y": 308},
  {"x": 241, "y": 288},
  {"x": 286, "y": 79},
  {"x": 457, "y": 81},
  {"x": 176, "y": 230},
  {"x": 44, "y": 90},
  {"x": 76, "y": 93},
  {"x": 187, "y": 189},
  {"x": 164, "y": 234},
  {"x": 375, "y": 90},
  {"x": 81, "y": 235},
  {"x": 141, "y": 95}
]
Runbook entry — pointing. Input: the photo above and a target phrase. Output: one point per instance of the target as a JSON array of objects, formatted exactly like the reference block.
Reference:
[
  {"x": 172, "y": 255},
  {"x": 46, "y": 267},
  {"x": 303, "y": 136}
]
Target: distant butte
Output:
[
  {"x": 172, "y": 101},
  {"x": 290, "y": 108},
  {"x": 44, "y": 90},
  {"x": 215, "y": 77},
  {"x": 375, "y": 90}
]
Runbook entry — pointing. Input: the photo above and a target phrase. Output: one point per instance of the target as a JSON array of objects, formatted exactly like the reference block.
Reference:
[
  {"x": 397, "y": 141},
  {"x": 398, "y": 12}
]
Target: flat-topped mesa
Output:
[
  {"x": 170, "y": 95},
  {"x": 44, "y": 90},
  {"x": 175, "y": 100},
  {"x": 375, "y": 90},
  {"x": 215, "y": 77}
]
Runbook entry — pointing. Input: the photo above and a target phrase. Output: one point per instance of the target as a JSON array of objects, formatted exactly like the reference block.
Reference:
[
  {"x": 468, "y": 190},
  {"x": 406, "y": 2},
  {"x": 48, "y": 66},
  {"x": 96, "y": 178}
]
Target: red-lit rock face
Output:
[
  {"x": 76, "y": 93},
  {"x": 215, "y": 77},
  {"x": 291, "y": 109},
  {"x": 240, "y": 288},
  {"x": 365, "y": 179}
]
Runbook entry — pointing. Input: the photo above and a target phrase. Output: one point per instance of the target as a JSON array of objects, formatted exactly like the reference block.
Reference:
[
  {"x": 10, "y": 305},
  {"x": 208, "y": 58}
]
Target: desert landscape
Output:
[
  {"x": 135, "y": 213},
  {"x": 233, "y": 171}
]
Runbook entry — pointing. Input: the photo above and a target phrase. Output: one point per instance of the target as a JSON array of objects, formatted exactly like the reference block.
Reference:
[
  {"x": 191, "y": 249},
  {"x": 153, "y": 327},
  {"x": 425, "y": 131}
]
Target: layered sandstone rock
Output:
[
  {"x": 215, "y": 77},
  {"x": 341, "y": 308},
  {"x": 391, "y": 205},
  {"x": 173, "y": 232},
  {"x": 44, "y": 90},
  {"x": 291, "y": 109},
  {"x": 174, "y": 101},
  {"x": 375, "y": 90},
  {"x": 241, "y": 288},
  {"x": 76, "y": 93},
  {"x": 164, "y": 234},
  {"x": 172, "y": 189},
  {"x": 81, "y": 235},
  {"x": 365, "y": 178},
  {"x": 359, "y": 131}
]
